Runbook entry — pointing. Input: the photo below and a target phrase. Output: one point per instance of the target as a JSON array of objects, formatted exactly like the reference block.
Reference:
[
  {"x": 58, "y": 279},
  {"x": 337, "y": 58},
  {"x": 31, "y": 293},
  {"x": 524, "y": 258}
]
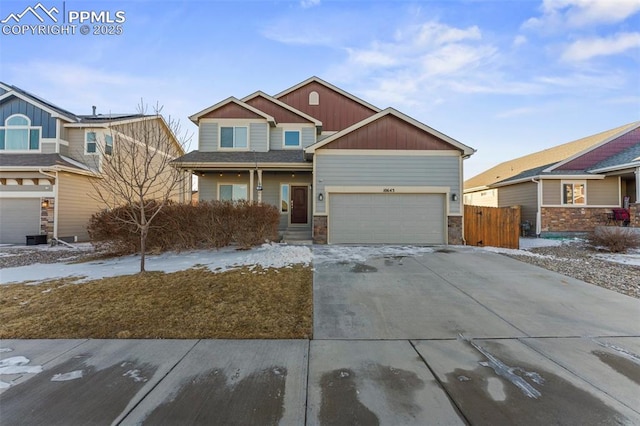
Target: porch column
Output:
[
  {"x": 260, "y": 184},
  {"x": 637, "y": 185},
  {"x": 251, "y": 185}
]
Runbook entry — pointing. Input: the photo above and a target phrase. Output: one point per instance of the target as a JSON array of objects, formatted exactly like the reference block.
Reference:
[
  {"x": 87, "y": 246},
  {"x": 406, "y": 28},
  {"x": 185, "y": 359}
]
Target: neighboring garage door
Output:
[
  {"x": 19, "y": 217},
  {"x": 389, "y": 218}
]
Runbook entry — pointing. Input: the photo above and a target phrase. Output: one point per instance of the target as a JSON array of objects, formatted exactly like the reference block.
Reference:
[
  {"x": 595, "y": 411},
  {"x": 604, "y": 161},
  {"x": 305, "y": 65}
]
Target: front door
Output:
[{"x": 299, "y": 204}]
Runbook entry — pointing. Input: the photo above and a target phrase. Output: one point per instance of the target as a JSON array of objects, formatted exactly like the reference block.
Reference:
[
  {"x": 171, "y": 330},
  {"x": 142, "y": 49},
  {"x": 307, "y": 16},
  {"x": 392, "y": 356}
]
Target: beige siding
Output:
[
  {"x": 486, "y": 198},
  {"x": 524, "y": 195},
  {"x": 76, "y": 148},
  {"x": 48, "y": 148},
  {"x": 75, "y": 205},
  {"x": 551, "y": 193},
  {"x": 603, "y": 192}
]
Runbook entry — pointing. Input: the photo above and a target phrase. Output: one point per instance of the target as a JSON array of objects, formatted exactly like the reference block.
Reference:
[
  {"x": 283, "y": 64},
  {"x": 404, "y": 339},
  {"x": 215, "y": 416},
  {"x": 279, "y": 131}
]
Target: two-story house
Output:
[
  {"x": 339, "y": 169},
  {"x": 48, "y": 159}
]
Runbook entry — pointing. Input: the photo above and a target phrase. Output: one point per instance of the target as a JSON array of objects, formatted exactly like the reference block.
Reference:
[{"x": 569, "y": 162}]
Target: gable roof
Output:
[
  {"x": 630, "y": 157},
  {"x": 330, "y": 86},
  {"x": 195, "y": 117},
  {"x": 41, "y": 161},
  {"x": 532, "y": 164},
  {"x": 466, "y": 150},
  {"x": 51, "y": 108},
  {"x": 281, "y": 104}
]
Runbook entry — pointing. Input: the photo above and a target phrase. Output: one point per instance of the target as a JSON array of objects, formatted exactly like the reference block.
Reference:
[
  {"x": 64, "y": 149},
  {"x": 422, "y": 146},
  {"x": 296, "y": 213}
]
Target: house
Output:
[
  {"x": 339, "y": 169},
  {"x": 48, "y": 160},
  {"x": 571, "y": 187}
]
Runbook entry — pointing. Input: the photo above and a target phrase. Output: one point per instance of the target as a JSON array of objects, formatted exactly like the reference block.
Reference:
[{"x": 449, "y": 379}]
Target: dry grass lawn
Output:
[{"x": 191, "y": 304}]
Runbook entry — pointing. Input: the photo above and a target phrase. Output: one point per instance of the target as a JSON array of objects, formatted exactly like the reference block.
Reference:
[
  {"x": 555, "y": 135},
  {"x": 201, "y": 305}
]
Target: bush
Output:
[
  {"x": 185, "y": 227},
  {"x": 614, "y": 238}
]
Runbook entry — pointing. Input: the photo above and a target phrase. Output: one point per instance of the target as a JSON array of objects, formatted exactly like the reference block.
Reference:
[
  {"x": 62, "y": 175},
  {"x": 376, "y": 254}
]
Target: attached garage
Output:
[
  {"x": 20, "y": 217},
  {"x": 387, "y": 218}
]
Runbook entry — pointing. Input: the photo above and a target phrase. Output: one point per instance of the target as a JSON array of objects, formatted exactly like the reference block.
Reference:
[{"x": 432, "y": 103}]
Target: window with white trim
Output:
[
  {"x": 291, "y": 139},
  {"x": 232, "y": 192},
  {"x": 18, "y": 134},
  {"x": 234, "y": 137},
  {"x": 108, "y": 144},
  {"x": 91, "y": 143},
  {"x": 574, "y": 193},
  {"x": 284, "y": 198}
]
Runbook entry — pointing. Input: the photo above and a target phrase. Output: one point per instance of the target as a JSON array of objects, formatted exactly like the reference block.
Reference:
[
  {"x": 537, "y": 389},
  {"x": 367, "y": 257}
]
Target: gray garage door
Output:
[
  {"x": 19, "y": 217},
  {"x": 388, "y": 218}
]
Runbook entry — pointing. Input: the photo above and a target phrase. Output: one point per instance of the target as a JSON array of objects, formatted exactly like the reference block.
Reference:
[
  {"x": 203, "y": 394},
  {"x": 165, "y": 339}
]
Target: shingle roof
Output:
[
  {"x": 510, "y": 169},
  {"x": 279, "y": 156},
  {"x": 39, "y": 160},
  {"x": 71, "y": 116},
  {"x": 629, "y": 155}
]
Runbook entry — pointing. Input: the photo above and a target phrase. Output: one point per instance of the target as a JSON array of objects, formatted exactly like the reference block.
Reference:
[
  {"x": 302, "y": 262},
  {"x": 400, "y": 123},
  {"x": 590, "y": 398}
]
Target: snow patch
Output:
[
  {"x": 65, "y": 377},
  {"x": 135, "y": 375},
  {"x": 18, "y": 365},
  {"x": 267, "y": 256},
  {"x": 4, "y": 350}
]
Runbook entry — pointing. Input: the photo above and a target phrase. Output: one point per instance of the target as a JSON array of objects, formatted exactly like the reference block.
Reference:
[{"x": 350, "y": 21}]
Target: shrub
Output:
[
  {"x": 614, "y": 238},
  {"x": 184, "y": 227}
]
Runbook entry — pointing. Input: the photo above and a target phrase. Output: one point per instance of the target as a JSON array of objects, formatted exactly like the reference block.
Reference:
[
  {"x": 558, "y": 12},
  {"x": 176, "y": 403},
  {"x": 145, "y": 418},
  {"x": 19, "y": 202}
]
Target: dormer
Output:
[{"x": 233, "y": 125}]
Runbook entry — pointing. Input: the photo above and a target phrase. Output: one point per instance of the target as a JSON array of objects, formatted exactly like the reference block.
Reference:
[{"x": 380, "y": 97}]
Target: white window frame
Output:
[
  {"x": 86, "y": 142},
  {"x": 28, "y": 127},
  {"x": 573, "y": 183},
  {"x": 234, "y": 148},
  {"x": 108, "y": 144},
  {"x": 284, "y": 138},
  {"x": 232, "y": 184},
  {"x": 283, "y": 200}
]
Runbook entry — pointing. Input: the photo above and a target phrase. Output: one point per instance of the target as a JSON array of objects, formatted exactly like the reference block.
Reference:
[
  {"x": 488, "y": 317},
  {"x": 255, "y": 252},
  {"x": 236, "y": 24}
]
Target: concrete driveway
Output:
[{"x": 457, "y": 336}]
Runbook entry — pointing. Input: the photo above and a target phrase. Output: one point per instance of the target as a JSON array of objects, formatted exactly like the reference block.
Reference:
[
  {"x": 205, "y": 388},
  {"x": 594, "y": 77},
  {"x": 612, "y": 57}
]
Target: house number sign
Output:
[{"x": 388, "y": 190}]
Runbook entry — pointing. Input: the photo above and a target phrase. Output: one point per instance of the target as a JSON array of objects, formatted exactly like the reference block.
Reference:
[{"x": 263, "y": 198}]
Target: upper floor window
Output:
[
  {"x": 314, "y": 98},
  {"x": 234, "y": 137},
  {"x": 291, "y": 139},
  {"x": 574, "y": 192},
  {"x": 91, "y": 143},
  {"x": 18, "y": 134},
  {"x": 108, "y": 144}
]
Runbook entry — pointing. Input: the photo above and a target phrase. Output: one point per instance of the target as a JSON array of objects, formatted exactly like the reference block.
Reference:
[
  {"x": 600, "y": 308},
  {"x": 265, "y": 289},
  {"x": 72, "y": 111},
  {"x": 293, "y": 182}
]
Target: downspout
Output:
[
  {"x": 538, "y": 207},
  {"x": 55, "y": 201}
]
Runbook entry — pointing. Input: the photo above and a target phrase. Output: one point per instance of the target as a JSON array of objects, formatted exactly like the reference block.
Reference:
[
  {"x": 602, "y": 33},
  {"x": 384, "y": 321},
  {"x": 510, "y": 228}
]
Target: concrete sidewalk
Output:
[{"x": 445, "y": 338}]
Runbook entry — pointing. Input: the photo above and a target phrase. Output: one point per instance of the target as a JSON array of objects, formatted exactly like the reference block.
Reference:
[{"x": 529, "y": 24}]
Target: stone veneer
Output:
[
  {"x": 634, "y": 213},
  {"x": 454, "y": 229},
  {"x": 320, "y": 230},
  {"x": 47, "y": 217},
  {"x": 580, "y": 219}
]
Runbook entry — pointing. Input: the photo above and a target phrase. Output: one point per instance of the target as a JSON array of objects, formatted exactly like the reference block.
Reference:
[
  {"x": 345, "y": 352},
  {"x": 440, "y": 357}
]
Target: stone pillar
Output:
[{"x": 320, "y": 229}]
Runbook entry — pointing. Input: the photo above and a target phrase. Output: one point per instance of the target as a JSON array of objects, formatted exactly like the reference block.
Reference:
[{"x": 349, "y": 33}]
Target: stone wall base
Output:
[
  {"x": 454, "y": 230},
  {"x": 320, "y": 230}
]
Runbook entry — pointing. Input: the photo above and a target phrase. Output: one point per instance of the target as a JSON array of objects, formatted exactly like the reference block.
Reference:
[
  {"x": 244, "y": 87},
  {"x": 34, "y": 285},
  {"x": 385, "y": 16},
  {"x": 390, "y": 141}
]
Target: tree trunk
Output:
[{"x": 143, "y": 248}]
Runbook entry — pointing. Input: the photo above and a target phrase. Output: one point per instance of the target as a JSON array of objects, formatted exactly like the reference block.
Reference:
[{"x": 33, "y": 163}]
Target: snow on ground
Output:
[{"x": 266, "y": 256}]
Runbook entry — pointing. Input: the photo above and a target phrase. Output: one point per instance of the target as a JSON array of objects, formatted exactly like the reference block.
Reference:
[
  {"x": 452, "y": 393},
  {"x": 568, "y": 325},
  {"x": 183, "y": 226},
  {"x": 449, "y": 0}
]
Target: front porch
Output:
[{"x": 289, "y": 191}]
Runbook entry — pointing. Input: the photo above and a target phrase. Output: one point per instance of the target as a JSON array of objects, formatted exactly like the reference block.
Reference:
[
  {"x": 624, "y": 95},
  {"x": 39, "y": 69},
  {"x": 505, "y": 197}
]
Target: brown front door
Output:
[{"x": 299, "y": 203}]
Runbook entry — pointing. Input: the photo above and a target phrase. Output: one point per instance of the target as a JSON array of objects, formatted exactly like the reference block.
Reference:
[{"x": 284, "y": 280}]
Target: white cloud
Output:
[
  {"x": 519, "y": 40},
  {"x": 557, "y": 14},
  {"x": 584, "y": 49},
  {"x": 306, "y": 4},
  {"x": 516, "y": 112}
]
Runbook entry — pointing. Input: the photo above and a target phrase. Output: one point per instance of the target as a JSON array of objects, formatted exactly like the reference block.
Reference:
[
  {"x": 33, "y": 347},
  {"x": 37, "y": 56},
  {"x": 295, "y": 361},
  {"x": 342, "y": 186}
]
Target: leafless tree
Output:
[{"x": 136, "y": 172}]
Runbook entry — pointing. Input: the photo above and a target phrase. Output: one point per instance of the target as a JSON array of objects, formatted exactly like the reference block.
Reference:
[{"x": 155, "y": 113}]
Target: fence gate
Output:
[{"x": 492, "y": 226}]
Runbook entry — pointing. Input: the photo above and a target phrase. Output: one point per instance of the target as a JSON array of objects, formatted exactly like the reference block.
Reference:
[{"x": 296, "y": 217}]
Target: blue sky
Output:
[{"x": 505, "y": 77}]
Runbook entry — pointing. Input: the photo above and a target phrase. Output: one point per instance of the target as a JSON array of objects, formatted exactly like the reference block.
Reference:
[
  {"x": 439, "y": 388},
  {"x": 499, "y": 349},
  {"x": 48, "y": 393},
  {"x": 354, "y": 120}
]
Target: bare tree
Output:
[{"x": 136, "y": 171}]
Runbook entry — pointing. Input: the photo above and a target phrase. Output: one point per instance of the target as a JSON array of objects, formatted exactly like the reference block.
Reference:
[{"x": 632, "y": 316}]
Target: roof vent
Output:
[{"x": 94, "y": 110}]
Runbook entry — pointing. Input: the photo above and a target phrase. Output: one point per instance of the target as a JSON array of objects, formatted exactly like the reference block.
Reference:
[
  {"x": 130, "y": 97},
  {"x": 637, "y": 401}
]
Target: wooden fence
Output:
[{"x": 492, "y": 226}]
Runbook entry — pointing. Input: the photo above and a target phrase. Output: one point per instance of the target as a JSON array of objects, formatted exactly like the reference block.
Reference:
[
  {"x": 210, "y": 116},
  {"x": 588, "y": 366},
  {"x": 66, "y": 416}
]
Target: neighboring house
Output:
[
  {"x": 48, "y": 158},
  {"x": 339, "y": 169},
  {"x": 568, "y": 188}
]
